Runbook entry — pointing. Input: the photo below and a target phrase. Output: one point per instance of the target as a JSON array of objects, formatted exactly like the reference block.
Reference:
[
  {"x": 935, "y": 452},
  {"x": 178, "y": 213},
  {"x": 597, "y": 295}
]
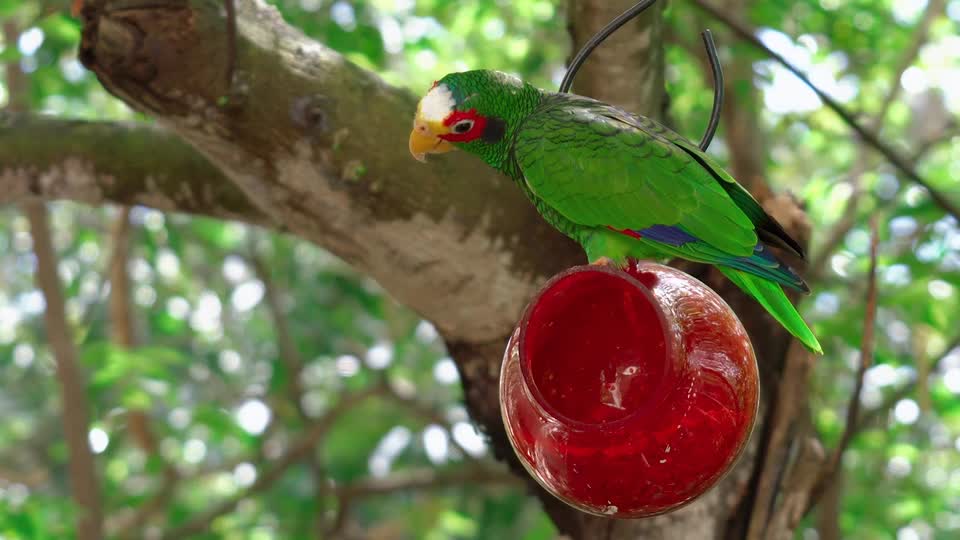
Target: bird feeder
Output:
[{"x": 628, "y": 393}]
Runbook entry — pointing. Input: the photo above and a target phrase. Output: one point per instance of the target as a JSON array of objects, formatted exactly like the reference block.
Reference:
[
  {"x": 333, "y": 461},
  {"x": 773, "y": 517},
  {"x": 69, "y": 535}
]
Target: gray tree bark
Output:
[{"x": 305, "y": 142}]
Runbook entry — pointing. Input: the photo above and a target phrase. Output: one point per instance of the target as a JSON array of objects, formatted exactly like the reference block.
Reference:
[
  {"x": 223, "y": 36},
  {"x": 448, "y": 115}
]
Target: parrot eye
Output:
[{"x": 463, "y": 126}]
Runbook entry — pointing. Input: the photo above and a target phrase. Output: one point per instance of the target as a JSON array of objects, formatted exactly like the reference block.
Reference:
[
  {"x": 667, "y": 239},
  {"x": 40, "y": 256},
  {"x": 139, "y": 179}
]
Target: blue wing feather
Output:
[{"x": 762, "y": 263}]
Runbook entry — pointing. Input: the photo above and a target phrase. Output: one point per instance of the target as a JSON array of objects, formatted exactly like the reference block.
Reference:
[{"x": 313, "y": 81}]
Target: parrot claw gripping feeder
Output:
[{"x": 629, "y": 392}]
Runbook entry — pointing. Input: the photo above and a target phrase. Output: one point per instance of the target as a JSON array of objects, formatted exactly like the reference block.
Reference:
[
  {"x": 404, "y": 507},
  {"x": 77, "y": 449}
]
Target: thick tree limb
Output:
[
  {"x": 318, "y": 145},
  {"x": 128, "y": 164}
]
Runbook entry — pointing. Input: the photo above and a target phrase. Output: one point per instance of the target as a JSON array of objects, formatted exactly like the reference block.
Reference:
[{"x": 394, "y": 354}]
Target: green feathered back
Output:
[{"x": 599, "y": 167}]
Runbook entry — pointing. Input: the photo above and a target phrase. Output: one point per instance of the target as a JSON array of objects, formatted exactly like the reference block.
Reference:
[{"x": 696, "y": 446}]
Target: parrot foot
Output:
[{"x": 604, "y": 261}]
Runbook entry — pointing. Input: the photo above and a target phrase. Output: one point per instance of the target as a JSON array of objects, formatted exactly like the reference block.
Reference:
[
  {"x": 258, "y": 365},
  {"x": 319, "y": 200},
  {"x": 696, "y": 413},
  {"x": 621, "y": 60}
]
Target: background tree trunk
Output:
[{"x": 303, "y": 141}]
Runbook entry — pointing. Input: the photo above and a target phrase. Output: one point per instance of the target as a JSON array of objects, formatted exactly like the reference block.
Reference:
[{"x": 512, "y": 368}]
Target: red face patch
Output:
[{"x": 465, "y": 126}]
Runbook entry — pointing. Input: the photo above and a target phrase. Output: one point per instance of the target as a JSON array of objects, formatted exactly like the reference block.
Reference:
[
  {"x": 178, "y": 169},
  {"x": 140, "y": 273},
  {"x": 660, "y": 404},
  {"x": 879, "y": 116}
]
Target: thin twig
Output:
[
  {"x": 848, "y": 220},
  {"x": 427, "y": 413},
  {"x": 430, "y": 479},
  {"x": 286, "y": 346},
  {"x": 275, "y": 469},
  {"x": 866, "y": 360},
  {"x": 84, "y": 484},
  {"x": 121, "y": 318},
  {"x": 870, "y": 416},
  {"x": 138, "y": 420},
  {"x": 415, "y": 479},
  {"x": 921, "y": 34},
  {"x": 293, "y": 363},
  {"x": 231, "y": 63},
  {"x": 843, "y": 226},
  {"x": 872, "y": 139}
]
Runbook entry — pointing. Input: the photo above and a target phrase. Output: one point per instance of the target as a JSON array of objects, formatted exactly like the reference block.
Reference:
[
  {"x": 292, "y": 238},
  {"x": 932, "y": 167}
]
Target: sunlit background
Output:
[{"x": 209, "y": 370}]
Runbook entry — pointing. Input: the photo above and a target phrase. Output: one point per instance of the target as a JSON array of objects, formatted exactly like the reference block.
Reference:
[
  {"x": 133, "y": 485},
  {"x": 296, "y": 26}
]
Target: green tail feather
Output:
[{"x": 772, "y": 298}]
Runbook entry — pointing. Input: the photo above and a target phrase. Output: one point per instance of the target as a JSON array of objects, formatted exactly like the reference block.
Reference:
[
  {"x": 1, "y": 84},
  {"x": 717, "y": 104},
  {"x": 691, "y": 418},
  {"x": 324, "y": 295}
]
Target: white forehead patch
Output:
[{"x": 437, "y": 104}]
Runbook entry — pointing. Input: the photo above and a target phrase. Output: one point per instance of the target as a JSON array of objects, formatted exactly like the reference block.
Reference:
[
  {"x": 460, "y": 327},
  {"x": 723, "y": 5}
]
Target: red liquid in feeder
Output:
[
  {"x": 596, "y": 348},
  {"x": 623, "y": 408}
]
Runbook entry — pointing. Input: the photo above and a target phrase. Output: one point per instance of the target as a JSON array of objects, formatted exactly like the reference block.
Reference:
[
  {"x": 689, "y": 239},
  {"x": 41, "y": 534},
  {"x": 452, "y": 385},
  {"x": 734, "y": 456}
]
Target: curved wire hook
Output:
[
  {"x": 717, "y": 71},
  {"x": 621, "y": 20}
]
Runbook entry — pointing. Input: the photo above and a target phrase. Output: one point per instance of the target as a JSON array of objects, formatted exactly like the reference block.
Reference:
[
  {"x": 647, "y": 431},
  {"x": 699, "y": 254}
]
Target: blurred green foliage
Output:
[{"x": 209, "y": 372}]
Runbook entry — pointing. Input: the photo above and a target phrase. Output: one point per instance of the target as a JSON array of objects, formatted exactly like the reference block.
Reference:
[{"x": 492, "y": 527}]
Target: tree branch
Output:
[
  {"x": 899, "y": 162},
  {"x": 870, "y": 416},
  {"x": 429, "y": 479},
  {"x": 275, "y": 469},
  {"x": 847, "y": 221},
  {"x": 84, "y": 484},
  {"x": 287, "y": 349},
  {"x": 782, "y": 427},
  {"x": 138, "y": 420},
  {"x": 921, "y": 34},
  {"x": 123, "y": 163},
  {"x": 314, "y": 145},
  {"x": 121, "y": 319},
  {"x": 828, "y": 473},
  {"x": 425, "y": 412},
  {"x": 416, "y": 479}
]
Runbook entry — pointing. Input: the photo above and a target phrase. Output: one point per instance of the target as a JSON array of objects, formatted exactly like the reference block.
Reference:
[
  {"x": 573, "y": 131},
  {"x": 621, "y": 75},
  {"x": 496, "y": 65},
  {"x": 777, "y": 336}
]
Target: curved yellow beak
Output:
[{"x": 425, "y": 139}]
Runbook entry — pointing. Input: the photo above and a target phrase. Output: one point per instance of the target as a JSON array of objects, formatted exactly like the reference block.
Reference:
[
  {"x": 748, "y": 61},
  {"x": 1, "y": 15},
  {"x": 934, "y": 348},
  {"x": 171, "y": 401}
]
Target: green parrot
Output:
[{"x": 619, "y": 184}]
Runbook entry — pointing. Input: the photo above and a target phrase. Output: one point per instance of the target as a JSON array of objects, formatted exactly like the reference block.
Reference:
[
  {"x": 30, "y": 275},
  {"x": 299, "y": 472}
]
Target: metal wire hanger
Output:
[{"x": 621, "y": 20}]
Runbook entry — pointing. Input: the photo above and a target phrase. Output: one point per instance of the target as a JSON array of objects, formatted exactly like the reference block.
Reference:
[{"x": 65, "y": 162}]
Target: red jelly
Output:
[{"x": 628, "y": 394}]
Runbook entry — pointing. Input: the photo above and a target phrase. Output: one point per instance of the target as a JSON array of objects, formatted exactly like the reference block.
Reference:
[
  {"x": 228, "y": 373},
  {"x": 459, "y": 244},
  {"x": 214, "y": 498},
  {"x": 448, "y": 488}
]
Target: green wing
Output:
[
  {"x": 599, "y": 166},
  {"x": 767, "y": 228}
]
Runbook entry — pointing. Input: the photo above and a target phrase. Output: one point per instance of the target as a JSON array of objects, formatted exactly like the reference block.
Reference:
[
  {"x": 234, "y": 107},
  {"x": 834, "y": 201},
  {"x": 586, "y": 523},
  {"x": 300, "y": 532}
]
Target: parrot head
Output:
[{"x": 471, "y": 110}]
